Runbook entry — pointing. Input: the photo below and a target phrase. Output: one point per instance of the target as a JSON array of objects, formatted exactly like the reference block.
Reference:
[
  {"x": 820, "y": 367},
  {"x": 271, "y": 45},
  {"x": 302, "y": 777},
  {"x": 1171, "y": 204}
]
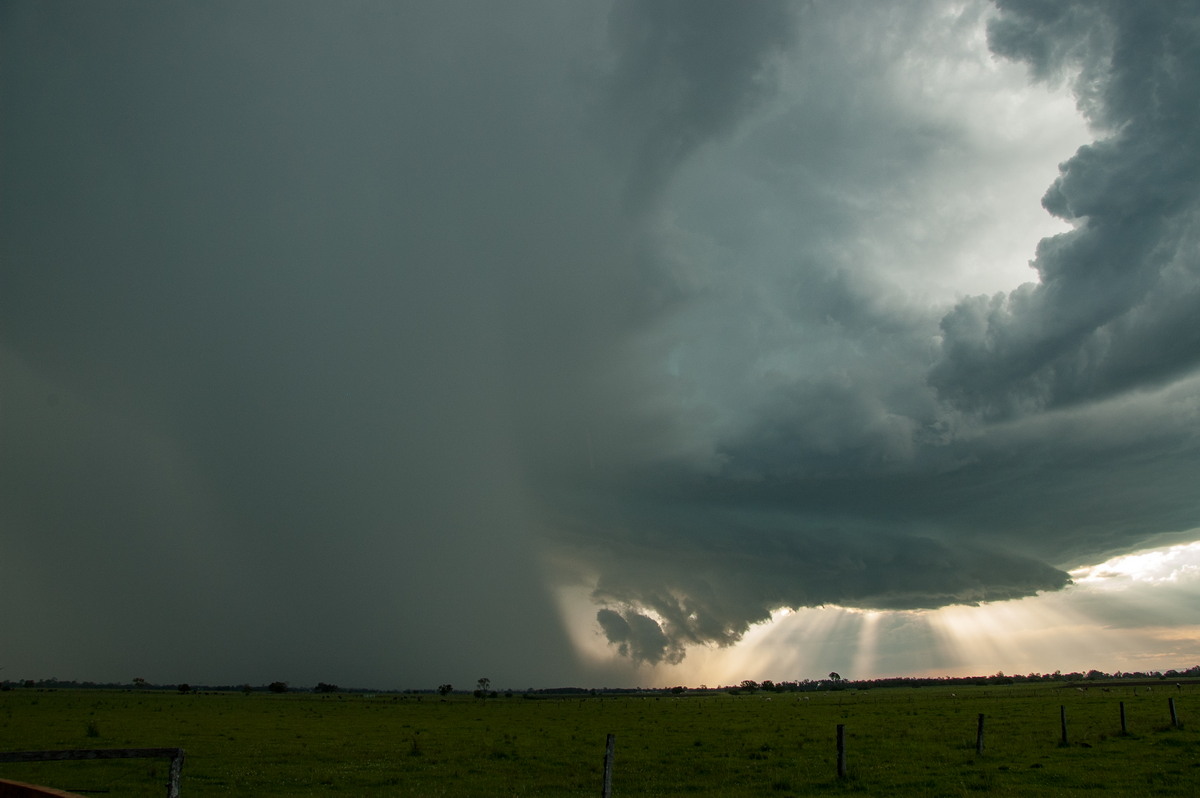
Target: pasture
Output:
[{"x": 899, "y": 742}]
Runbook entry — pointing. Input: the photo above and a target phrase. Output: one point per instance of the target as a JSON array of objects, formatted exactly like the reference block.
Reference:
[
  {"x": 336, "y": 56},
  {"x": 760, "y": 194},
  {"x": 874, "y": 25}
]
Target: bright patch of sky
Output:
[{"x": 1130, "y": 613}]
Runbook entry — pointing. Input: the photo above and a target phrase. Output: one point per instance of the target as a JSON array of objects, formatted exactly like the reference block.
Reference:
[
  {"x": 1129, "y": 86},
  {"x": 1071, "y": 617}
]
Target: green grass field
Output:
[{"x": 900, "y": 742}]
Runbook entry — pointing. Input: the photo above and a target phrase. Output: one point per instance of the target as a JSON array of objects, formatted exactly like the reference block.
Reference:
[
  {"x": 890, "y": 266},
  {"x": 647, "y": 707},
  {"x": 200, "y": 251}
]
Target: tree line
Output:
[{"x": 483, "y": 686}]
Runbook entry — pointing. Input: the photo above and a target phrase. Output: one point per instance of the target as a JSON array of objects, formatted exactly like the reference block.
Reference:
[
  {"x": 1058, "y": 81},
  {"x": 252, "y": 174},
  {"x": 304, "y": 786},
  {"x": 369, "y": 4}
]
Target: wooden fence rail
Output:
[{"x": 174, "y": 754}]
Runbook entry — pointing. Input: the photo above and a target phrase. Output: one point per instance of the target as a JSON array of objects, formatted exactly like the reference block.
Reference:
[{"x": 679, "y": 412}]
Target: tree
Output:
[
  {"x": 322, "y": 687},
  {"x": 138, "y": 681},
  {"x": 835, "y": 676},
  {"x": 278, "y": 687},
  {"x": 749, "y": 685},
  {"x": 482, "y": 691},
  {"x": 445, "y": 689},
  {"x": 185, "y": 688}
]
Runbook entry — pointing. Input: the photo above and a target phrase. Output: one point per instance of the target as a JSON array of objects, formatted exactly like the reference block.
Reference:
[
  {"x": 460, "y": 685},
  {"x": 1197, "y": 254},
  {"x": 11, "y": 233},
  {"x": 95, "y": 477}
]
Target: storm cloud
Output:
[
  {"x": 686, "y": 73},
  {"x": 338, "y": 344},
  {"x": 861, "y": 465},
  {"x": 1111, "y": 310}
]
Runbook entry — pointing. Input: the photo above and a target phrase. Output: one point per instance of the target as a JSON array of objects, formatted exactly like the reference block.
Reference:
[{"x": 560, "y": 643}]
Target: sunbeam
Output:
[{"x": 1134, "y": 612}]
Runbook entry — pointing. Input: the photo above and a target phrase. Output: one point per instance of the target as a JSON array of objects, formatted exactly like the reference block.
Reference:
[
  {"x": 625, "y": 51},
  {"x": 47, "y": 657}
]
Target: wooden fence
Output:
[
  {"x": 174, "y": 754},
  {"x": 840, "y": 736}
]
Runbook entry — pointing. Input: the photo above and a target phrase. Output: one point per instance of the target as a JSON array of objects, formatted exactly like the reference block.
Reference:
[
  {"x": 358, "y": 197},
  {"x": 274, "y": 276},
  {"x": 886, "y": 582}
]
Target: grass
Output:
[{"x": 900, "y": 742}]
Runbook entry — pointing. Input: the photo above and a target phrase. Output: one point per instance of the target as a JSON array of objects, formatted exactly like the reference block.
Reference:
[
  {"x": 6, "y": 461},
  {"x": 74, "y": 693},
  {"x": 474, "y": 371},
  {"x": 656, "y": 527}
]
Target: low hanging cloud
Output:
[{"x": 711, "y": 595}]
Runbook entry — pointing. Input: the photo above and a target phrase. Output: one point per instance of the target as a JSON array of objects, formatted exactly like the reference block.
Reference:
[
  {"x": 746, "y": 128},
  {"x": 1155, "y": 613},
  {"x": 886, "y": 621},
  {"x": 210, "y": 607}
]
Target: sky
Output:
[{"x": 628, "y": 343}]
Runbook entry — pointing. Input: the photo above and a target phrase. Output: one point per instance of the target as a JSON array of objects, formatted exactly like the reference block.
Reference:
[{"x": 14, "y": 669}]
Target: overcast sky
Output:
[{"x": 396, "y": 343}]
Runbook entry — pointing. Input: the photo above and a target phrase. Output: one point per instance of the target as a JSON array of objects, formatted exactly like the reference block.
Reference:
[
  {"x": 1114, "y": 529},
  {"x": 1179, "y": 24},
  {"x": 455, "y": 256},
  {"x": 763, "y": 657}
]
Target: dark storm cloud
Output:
[
  {"x": 334, "y": 341},
  {"x": 1059, "y": 427},
  {"x": 275, "y": 280},
  {"x": 1110, "y": 312},
  {"x": 639, "y": 637},
  {"x": 686, "y": 72},
  {"x": 741, "y": 567}
]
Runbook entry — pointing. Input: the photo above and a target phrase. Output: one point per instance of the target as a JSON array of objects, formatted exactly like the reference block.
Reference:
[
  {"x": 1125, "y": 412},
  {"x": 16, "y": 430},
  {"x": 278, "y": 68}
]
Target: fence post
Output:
[
  {"x": 609, "y": 747},
  {"x": 841, "y": 750},
  {"x": 1124, "y": 728},
  {"x": 175, "y": 773},
  {"x": 1174, "y": 715},
  {"x": 1062, "y": 714},
  {"x": 979, "y": 737}
]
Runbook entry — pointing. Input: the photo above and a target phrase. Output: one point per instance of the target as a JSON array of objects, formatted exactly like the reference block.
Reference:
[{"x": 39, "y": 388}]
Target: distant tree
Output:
[
  {"x": 835, "y": 676},
  {"x": 678, "y": 689},
  {"x": 445, "y": 689},
  {"x": 184, "y": 688},
  {"x": 278, "y": 687},
  {"x": 138, "y": 681},
  {"x": 482, "y": 690},
  {"x": 749, "y": 685},
  {"x": 767, "y": 684},
  {"x": 323, "y": 687},
  {"x": 247, "y": 689}
]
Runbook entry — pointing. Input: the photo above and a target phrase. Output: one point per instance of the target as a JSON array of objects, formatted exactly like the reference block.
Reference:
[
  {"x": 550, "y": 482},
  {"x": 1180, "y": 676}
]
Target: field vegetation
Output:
[{"x": 900, "y": 741}]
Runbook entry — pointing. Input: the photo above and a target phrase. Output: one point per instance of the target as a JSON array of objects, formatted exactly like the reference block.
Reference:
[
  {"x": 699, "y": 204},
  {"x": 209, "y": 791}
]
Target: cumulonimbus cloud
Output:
[
  {"x": 1108, "y": 311},
  {"x": 902, "y": 476},
  {"x": 355, "y": 318}
]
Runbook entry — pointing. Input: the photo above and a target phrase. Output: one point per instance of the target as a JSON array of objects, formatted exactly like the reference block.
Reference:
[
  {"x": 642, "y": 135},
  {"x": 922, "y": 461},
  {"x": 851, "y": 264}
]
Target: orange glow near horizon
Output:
[{"x": 1085, "y": 626}]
